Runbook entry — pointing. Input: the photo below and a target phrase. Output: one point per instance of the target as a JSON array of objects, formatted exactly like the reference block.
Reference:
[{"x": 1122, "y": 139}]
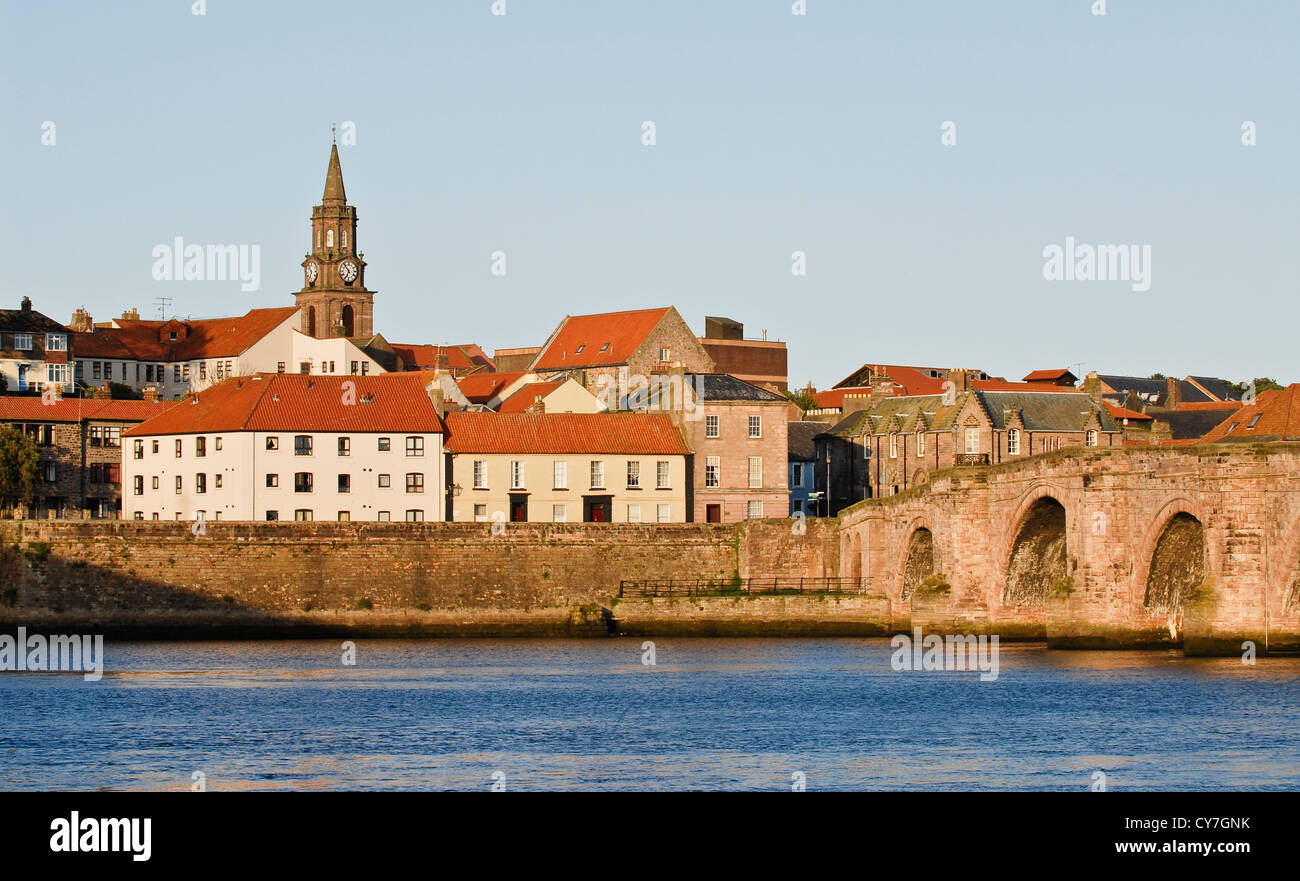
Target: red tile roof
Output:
[
  {"x": 425, "y": 356},
  {"x": 598, "y": 340},
  {"x": 1051, "y": 373},
  {"x": 1118, "y": 412},
  {"x": 1278, "y": 412},
  {"x": 34, "y": 409},
  {"x": 200, "y": 338},
  {"x": 527, "y": 396},
  {"x": 633, "y": 434},
  {"x": 294, "y": 402},
  {"x": 483, "y": 387}
]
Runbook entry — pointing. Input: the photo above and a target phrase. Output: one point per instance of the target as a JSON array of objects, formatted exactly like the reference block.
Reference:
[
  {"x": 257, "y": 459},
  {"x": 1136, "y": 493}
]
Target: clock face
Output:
[
  {"x": 311, "y": 273},
  {"x": 348, "y": 271}
]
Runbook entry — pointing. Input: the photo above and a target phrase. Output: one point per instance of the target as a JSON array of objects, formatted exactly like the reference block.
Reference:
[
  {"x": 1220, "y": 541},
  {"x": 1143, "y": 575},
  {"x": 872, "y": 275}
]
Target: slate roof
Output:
[
  {"x": 801, "y": 435},
  {"x": 724, "y": 387},
  {"x": 1040, "y": 411}
]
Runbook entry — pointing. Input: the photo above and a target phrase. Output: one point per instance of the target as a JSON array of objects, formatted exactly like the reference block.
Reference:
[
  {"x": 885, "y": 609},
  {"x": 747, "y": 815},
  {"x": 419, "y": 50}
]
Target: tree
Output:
[
  {"x": 20, "y": 464},
  {"x": 1261, "y": 384},
  {"x": 120, "y": 391},
  {"x": 803, "y": 399}
]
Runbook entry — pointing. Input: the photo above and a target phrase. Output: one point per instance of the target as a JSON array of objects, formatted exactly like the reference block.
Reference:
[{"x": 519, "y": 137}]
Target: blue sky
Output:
[{"x": 775, "y": 133}]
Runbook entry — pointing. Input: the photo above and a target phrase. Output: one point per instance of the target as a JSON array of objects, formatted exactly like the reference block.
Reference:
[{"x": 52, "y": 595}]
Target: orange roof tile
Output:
[
  {"x": 483, "y": 387},
  {"x": 634, "y": 434},
  {"x": 598, "y": 340},
  {"x": 294, "y": 402},
  {"x": 34, "y": 409},
  {"x": 1051, "y": 373},
  {"x": 425, "y": 356},
  {"x": 200, "y": 338},
  {"x": 1275, "y": 415},
  {"x": 527, "y": 396},
  {"x": 1118, "y": 412}
]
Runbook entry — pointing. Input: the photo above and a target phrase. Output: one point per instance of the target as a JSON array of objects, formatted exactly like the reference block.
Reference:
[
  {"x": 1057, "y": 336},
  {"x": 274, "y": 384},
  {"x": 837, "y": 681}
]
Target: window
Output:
[
  {"x": 302, "y": 444},
  {"x": 345, "y": 516},
  {"x": 1253, "y": 420},
  {"x": 51, "y": 473},
  {"x": 176, "y": 373},
  {"x": 137, "y": 485},
  {"x": 137, "y": 449},
  {"x": 415, "y": 482},
  {"x": 384, "y": 516},
  {"x": 23, "y": 341},
  {"x": 345, "y": 446},
  {"x": 665, "y": 355},
  {"x": 561, "y": 470},
  {"x": 597, "y": 475},
  {"x": 178, "y": 484},
  {"x": 279, "y": 367},
  {"x": 712, "y": 471},
  {"x": 633, "y": 475},
  {"x": 95, "y": 368},
  {"x": 302, "y": 515},
  {"x": 200, "y": 446},
  {"x": 920, "y": 442},
  {"x": 329, "y": 238},
  {"x": 754, "y": 510},
  {"x": 217, "y": 480},
  {"x": 200, "y": 483},
  {"x": 414, "y": 516},
  {"x": 480, "y": 513},
  {"x": 663, "y": 474},
  {"x": 302, "y": 482},
  {"x": 153, "y": 448},
  {"x": 664, "y": 514},
  {"x": 203, "y": 370},
  {"x": 415, "y": 446},
  {"x": 516, "y": 474},
  {"x": 385, "y": 444},
  {"x": 893, "y": 446},
  {"x": 112, "y": 437},
  {"x": 1091, "y": 437},
  {"x": 385, "y": 481},
  {"x": 972, "y": 440},
  {"x": 273, "y": 443},
  {"x": 56, "y": 342},
  {"x": 559, "y": 514},
  {"x": 711, "y": 426},
  {"x": 755, "y": 426},
  {"x": 272, "y": 515},
  {"x": 796, "y": 474},
  {"x": 633, "y": 513},
  {"x": 178, "y": 448},
  {"x": 1013, "y": 441},
  {"x": 272, "y": 481},
  {"x": 345, "y": 483},
  {"x": 480, "y": 474},
  {"x": 755, "y": 472},
  {"x": 155, "y": 482},
  {"x": 354, "y": 368}
]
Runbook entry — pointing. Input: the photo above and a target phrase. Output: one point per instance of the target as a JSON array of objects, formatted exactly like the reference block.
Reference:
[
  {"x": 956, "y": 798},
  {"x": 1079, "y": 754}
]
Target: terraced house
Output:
[
  {"x": 35, "y": 350},
  {"x": 291, "y": 447},
  {"x": 896, "y": 443}
]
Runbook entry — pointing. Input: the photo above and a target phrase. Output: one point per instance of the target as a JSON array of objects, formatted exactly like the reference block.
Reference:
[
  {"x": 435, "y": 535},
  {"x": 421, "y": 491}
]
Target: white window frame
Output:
[
  {"x": 560, "y": 474},
  {"x": 712, "y": 472},
  {"x": 755, "y": 480}
]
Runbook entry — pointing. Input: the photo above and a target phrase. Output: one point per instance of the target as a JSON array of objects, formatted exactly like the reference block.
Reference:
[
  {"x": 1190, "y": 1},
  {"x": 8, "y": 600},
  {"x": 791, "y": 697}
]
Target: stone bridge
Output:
[{"x": 1141, "y": 546}]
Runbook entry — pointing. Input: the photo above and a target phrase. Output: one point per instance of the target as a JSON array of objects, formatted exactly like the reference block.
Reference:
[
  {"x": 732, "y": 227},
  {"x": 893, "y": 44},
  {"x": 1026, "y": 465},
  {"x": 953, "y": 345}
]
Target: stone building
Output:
[
  {"x": 898, "y": 441},
  {"x": 567, "y": 468},
  {"x": 609, "y": 352},
  {"x": 80, "y": 445},
  {"x": 761, "y": 362}
]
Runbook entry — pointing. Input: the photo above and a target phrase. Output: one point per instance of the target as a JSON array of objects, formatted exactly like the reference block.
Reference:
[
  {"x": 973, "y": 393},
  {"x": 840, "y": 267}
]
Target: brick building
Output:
[
  {"x": 608, "y": 352},
  {"x": 760, "y": 362},
  {"x": 80, "y": 444}
]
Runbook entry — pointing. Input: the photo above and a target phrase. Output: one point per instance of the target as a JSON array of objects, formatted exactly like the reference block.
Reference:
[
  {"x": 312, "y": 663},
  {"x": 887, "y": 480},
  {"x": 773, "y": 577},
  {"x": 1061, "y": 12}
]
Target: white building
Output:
[{"x": 291, "y": 447}]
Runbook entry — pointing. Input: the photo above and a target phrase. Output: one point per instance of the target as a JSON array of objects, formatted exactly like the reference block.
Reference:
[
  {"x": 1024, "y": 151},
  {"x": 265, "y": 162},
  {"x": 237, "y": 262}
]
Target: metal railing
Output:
[{"x": 721, "y": 587}]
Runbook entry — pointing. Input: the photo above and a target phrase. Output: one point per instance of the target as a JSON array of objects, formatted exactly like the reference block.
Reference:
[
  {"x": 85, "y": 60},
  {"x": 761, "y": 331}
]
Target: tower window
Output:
[{"x": 329, "y": 238}]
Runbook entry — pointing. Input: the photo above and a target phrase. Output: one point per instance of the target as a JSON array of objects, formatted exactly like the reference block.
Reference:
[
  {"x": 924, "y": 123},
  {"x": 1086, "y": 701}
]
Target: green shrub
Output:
[{"x": 364, "y": 604}]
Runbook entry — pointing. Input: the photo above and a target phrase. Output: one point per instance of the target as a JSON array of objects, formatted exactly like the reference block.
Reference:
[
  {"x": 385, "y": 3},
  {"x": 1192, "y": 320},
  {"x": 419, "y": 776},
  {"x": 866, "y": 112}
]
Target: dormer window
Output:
[
  {"x": 1091, "y": 438},
  {"x": 1253, "y": 421},
  {"x": 171, "y": 335}
]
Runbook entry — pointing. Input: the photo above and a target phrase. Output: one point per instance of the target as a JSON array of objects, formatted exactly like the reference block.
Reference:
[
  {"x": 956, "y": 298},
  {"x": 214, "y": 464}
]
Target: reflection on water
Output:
[{"x": 585, "y": 714}]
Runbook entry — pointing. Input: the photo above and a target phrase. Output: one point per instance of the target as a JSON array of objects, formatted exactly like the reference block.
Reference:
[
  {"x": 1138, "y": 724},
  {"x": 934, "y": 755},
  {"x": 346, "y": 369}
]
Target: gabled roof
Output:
[
  {"x": 483, "y": 387},
  {"x": 633, "y": 434},
  {"x": 417, "y": 356},
  {"x": 1274, "y": 416},
  {"x": 295, "y": 402},
  {"x": 1036, "y": 411},
  {"x": 1117, "y": 412},
  {"x": 527, "y": 395},
  {"x": 34, "y": 409},
  {"x": 602, "y": 340},
  {"x": 723, "y": 387},
  {"x": 135, "y": 340},
  {"x": 29, "y": 321},
  {"x": 1057, "y": 373}
]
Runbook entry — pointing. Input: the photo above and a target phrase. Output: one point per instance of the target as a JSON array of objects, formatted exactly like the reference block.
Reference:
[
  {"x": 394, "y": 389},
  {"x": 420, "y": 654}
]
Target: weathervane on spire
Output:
[{"x": 333, "y": 134}]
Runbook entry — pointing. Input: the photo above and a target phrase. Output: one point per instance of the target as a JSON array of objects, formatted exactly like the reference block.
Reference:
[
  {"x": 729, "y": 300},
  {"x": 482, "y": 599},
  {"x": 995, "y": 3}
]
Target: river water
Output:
[{"x": 752, "y": 714}]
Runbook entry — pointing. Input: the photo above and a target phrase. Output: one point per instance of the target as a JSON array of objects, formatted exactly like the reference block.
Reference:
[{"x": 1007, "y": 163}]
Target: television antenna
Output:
[{"x": 162, "y": 303}]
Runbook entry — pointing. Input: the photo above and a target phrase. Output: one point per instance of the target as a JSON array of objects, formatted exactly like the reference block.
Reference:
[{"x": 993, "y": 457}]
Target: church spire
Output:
[{"x": 334, "y": 194}]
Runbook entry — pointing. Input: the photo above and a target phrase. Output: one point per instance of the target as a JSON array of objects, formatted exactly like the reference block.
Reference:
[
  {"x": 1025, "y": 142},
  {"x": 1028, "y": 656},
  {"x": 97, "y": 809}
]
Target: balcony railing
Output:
[{"x": 971, "y": 459}]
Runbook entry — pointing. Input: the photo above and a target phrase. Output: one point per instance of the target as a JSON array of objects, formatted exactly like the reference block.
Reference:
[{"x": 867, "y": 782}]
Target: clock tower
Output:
[{"x": 334, "y": 300}]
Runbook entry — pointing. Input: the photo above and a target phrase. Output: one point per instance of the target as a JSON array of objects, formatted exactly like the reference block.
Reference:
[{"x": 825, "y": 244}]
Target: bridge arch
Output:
[
  {"x": 1286, "y": 584},
  {"x": 916, "y": 559},
  {"x": 1036, "y": 554},
  {"x": 1183, "y": 510}
]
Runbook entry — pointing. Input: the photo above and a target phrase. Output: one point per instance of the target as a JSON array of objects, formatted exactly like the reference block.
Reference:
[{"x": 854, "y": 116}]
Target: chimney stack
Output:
[
  {"x": 27, "y": 304},
  {"x": 133, "y": 314},
  {"x": 151, "y": 394},
  {"x": 82, "y": 322},
  {"x": 1173, "y": 393}
]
